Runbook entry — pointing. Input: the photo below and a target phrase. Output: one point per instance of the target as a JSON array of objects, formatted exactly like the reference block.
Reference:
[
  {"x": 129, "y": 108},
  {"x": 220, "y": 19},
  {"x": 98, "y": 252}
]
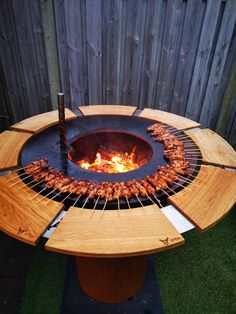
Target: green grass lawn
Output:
[{"x": 199, "y": 277}]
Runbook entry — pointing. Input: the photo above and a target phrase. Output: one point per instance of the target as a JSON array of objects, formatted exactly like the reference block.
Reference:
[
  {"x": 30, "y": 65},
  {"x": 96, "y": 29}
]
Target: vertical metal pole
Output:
[{"x": 61, "y": 113}]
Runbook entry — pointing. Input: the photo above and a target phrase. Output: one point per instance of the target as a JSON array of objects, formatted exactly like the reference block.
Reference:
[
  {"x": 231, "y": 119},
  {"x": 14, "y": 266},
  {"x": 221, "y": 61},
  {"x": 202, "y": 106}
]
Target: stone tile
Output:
[
  {"x": 19, "y": 260},
  {"x": 11, "y": 289},
  {"x": 15, "y": 261}
]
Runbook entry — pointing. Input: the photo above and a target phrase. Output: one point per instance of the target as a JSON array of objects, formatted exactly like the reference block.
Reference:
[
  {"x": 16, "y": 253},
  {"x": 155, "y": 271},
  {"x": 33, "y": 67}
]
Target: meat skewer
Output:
[
  {"x": 19, "y": 180},
  {"x": 54, "y": 196},
  {"x": 94, "y": 208},
  {"x": 104, "y": 206},
  {"x": 195, "y": 178},
  {"x": 139, "y": 201},
  {"x": 165, "y": 192},
  {"x": 85, "y": 202},
  {"x": 66, "y": 197},
  {"x": 190, "y": 181},
  {"x": 198, "y": 165},
  {"x": 18, "y": 169},
  {"x": 96, "y": 202},
  {"x": 118, "y": 205},
  {"x": 27, "y": 185},
  {"x": 158, "y": 201},
  {"x": 186, "y": 187},
  {"x": 76, "y": 201},
  {"x": 46, "y": 195},
  {"x": 38, "y": 193},
  {"x": 127, "y": 202},
  {"x": 19, "y": 175}
]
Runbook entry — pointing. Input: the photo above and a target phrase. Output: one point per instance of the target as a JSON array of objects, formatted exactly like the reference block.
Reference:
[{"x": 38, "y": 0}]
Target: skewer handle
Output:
[{"x": 61, "y": 114}]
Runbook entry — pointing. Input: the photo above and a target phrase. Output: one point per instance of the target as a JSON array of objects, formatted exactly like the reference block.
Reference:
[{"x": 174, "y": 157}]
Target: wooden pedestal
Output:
[{"x": 111, "y": 280}]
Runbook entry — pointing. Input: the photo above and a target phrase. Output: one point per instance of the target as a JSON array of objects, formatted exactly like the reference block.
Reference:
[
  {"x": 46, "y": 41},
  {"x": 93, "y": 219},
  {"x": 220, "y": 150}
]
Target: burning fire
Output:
[{"x": 111, "y": 162}]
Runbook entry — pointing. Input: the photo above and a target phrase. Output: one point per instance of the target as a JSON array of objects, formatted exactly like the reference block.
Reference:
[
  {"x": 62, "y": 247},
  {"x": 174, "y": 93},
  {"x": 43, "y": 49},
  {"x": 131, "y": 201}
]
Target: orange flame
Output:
[{"x": 111, "y": 162}]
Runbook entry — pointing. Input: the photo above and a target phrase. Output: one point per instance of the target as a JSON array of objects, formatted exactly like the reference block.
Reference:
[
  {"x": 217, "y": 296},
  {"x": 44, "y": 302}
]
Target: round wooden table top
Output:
[{"x": 123, "y": 233}]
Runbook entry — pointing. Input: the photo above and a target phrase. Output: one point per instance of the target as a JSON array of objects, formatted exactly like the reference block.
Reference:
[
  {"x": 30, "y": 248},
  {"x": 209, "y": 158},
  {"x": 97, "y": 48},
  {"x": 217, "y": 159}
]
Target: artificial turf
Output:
[
  {"x": 199, "y": 277},
  {"x": 45, "y": 282}
]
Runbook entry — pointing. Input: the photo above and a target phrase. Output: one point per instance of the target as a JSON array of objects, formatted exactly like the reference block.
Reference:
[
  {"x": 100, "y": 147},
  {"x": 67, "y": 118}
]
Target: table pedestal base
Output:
[
  {"x": 146, "y": 300},
  {"x": 111, "y": 280}
]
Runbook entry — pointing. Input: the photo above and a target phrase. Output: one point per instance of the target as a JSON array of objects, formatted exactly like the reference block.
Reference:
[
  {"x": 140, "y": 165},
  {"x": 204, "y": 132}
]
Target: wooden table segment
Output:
[
  {"x": 172, "y": 119},
  {"x": 107, "y": 109},
  {"x": 134, "y": 232},
  {"x": 42, "y": 121},
  {"x": 209, "y": 203},
  {"x": 11, "y": 144},
  {"x": 20, "y": 216},
  {"x": 215, "y": 150}
]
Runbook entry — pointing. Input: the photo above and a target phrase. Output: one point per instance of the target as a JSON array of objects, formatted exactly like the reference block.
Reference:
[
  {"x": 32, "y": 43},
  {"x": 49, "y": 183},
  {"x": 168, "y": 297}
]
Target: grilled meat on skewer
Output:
[
  {"x": 108, "y": 191},
  {"x": 117, "y": 193},
  {"x": 155, "y": 127},
  {"x": 133, "y": 188},
  {"x": 126, "y": 192},
  {"x": 158, "y": 183},
  {"x": 37, "y": 164},
  {"x": 141, "y": 188},
  {"x": 92, "y": 190},
  {"x": 41, "y": 175},
  {"x": 82, "y": 187},
  {"x": 52, "y": 183},
  {"x": 147, "y": 186},
  {"x": 101, "y": 189}
]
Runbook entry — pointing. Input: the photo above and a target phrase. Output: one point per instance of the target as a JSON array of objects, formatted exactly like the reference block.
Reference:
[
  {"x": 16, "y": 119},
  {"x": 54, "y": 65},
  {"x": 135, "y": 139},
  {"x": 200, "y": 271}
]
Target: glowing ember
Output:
[{"x": 111, "y": 162}]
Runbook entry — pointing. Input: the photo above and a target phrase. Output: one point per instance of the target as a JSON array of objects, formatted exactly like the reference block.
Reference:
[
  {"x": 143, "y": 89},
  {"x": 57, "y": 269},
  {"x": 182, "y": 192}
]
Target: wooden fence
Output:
[{"x": 175, "y": 55}]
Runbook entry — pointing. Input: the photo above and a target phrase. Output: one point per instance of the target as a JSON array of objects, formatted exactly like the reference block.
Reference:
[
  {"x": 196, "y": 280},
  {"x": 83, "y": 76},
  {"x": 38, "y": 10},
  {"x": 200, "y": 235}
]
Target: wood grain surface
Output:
[
  {"x": 135, "y": 232},
  {"x": 207, "y": 204},
  {"x": 107, "y": 109},
  {"x": 11, "y": 144},
  {"x": 214, "y": 148},
  {"x": 176, "y": 121},
  {"x": 111, "y": 280},
  {"x": 40, "y": 122},
  {"x": 20, "y": 216}
]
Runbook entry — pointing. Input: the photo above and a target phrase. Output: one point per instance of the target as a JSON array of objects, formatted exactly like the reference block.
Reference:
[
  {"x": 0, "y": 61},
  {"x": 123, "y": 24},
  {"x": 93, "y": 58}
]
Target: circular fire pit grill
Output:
[{"x": 47, "y": 145}]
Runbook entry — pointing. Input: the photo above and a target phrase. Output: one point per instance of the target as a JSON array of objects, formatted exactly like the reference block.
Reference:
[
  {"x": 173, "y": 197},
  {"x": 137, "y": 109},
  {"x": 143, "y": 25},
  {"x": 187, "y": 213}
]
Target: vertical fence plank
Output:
[
  {"x": 170, "y": 49},
  {"x": 59, "y": 11},
  {"x": 123, "y": 23},
  {"x": 11, "y": 65},
  {"x": 41, "y": 69},
  {"x": 226, "y": 108},
  {"x": 231, "y": 136},
  {"x": 75, "y": 51},
  {"x": 31, "y": 46},
  {"x": 152, "y": 48},
  {"x": 212, "y": 99},
  {"x": 126, "y": 90},
  {"x": 202, "y": 63},
  {"x": 94, "y": 50},
  {"x": 138, "y": 48},
  {"x": 188, "y": 49},
  {"x": 136, "y": 19},
  {"x": 5, "y": 119},
  {"x": 113, "y": 22},
  {"x": 84, "y": 43},
  {"x": 49, "y": 32}
]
